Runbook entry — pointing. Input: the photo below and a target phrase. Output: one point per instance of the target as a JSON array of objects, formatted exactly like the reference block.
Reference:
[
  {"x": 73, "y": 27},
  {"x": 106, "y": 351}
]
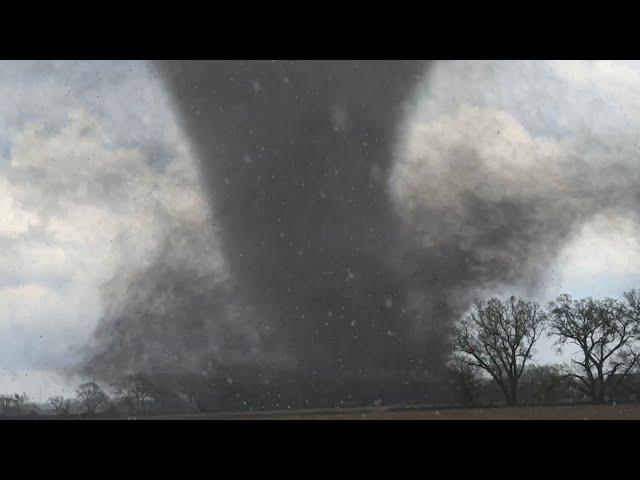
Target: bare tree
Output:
[
  {"x": 604, "y": 331},
  {"x": 542, "y": 384},
  {"x": 498, "y": 338},
  {"x": 7, "y": 404},
  {"x": 13, "y": 404},
  {"x": 91, "y": 397},
  {"x": 189, "y": 386},
  {"x": 138, "y": 392},
  {"x": 467, "y": 382},
  {"x": 61, "y": 405}
]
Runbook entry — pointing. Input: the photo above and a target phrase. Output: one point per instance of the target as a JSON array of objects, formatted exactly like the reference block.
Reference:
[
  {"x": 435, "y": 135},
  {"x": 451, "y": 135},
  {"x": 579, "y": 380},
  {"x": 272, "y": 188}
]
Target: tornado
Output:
[
  {"x": 358, "y": 216},
  {"x": 294, "y": 157}
]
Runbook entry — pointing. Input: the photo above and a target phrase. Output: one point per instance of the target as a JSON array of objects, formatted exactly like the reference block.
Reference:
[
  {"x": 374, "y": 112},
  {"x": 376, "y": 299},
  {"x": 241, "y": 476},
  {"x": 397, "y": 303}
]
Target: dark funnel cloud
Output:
[{"x": 295, "y": 156}]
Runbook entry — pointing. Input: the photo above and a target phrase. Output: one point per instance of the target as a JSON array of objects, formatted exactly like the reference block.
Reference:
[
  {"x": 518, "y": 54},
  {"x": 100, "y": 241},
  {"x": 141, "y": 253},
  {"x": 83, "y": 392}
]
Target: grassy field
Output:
[
  {"x": 565, "y": 412},
  {"x": 581, "y": 412},
  {"x": 578, "y": 412}
]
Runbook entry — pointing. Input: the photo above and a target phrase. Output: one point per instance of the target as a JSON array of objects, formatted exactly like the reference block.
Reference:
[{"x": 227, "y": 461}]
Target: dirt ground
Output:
[
  {"x": 579, "y": 412},
  {"x": 568, "y": 412},
  {"x": 582, "y": 412},
  {"x": 565, "y": 412}
]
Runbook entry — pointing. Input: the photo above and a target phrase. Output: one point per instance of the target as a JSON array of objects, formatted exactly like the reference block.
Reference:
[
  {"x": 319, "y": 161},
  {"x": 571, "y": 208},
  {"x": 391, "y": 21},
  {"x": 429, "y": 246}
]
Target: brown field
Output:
[
  {"x": 565, "y": 412},
  {"x": 581, "y": 412}
]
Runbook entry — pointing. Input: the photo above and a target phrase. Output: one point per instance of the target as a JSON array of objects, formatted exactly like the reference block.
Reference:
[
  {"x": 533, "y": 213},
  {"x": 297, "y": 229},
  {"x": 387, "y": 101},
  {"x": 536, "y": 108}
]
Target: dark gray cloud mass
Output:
[
  {"x": 294, "y": 157},
  {"x": 327, "y": 272}
]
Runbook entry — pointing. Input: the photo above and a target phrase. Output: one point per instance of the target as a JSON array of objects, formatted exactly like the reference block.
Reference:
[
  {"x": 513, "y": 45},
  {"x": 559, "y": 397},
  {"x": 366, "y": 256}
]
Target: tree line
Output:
[
  {"x": 493, "y": 347},
  {"x": 496, "y": 338},
  {"x": 135, "y": 394}
]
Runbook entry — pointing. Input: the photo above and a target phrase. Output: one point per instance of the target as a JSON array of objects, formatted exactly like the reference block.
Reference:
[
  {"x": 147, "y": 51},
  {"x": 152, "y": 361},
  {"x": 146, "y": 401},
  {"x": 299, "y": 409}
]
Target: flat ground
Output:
[
  {"x": 564, "y": 412},
  {"x": 568, "y": 412},
  {"x": 581, "y": 412}
]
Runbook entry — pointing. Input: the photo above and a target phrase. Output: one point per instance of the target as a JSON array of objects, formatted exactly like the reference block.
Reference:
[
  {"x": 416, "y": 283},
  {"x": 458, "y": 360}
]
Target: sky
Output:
[
  {"x": 94, "y": 167},
  {"x": 544, "y": 113}
]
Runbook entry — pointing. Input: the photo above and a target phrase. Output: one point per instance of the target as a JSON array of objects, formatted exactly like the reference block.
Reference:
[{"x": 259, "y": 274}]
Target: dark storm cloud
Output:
[
  {"x": 294, "y": 157},
  {"x": 323, "y": 231}
]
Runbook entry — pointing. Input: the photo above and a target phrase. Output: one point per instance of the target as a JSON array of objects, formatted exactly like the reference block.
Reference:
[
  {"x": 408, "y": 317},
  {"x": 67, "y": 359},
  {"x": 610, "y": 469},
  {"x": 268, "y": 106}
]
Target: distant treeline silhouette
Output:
[{"x": 492, "y": 364}]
